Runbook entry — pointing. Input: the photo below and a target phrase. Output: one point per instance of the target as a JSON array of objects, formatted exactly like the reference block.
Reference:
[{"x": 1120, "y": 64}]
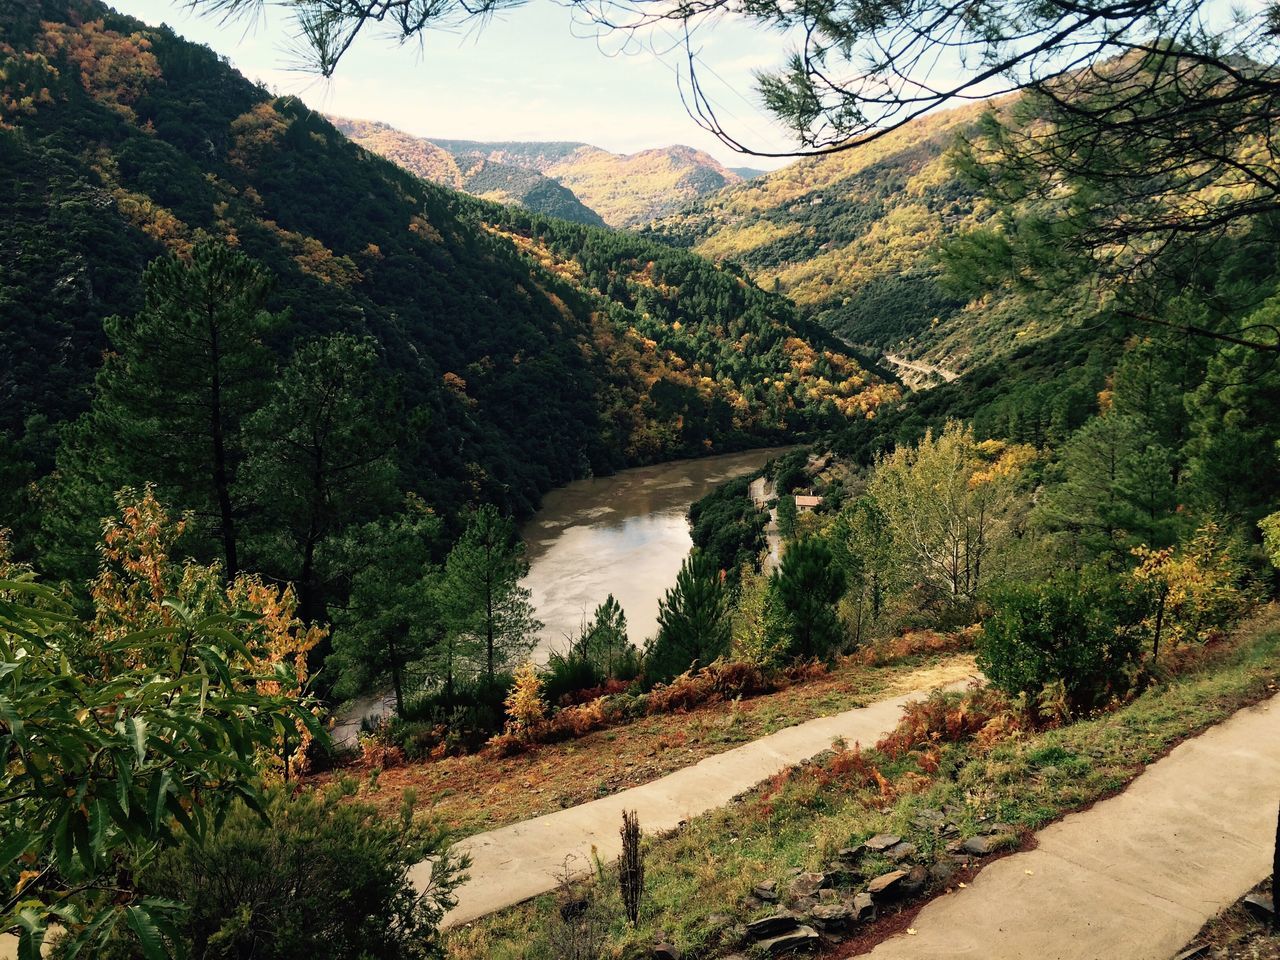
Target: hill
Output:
[
  {"x": 502, "y": 182},
  {"x": 625, "y": 189},
  {"x": 127, "y": 142},
  {"x": 851, "y": 237}
]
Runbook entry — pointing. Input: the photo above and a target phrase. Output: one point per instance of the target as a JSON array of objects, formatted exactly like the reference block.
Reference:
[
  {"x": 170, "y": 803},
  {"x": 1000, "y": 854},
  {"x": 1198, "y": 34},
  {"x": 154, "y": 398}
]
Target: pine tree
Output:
[
  {"x": 604, "y": 641},
  {"x": 809, "y": 582},
  {"x": 486, "y": 607},
  {"x": 693, "y": 621},
  {"x": 173, "y": 394}
]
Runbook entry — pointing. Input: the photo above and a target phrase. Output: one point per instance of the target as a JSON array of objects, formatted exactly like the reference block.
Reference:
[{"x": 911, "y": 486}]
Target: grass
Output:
[
  {"x": 479, "y": 792},
  {"x": 699, "y": 877}
]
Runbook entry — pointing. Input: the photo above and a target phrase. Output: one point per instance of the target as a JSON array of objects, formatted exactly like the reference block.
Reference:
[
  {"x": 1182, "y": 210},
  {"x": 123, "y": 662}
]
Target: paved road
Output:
[
  {"x": 514, "y": 863},
  {"x": 1134, "y": 877}
]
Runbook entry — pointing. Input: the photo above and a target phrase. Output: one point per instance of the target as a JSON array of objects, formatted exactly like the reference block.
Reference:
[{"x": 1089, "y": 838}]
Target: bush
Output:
[
  {"x": 468, "y": 718},
  {"x": 1066, "y": 632},
  {"x": 567, "y": 674},
  {"x": 321, "y": 878}
]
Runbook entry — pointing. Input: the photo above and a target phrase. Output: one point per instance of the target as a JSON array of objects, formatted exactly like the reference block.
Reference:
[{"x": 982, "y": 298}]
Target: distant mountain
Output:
[
  {"x": 462, "y": 169},
  {"x": 748, "y": 173},
  {"x": 625, "y": 189}
]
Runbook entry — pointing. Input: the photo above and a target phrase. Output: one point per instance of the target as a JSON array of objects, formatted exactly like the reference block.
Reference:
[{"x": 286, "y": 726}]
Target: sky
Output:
[{"x": 529, "y": 74}]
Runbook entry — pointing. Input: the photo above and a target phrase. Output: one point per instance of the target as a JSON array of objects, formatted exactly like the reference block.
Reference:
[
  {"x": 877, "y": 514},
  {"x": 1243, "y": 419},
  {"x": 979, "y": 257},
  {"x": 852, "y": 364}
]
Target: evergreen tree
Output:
[
  {"x": 486, "y": 607},
  {"x": 604, "y": 641},
  {"x": 322, "y": 462},
  {"x": 809, "y": 582},
  {"x": 173, "y": 394},
  {"x": 693, "y": 621},
  {"x": 391, "y": 621}
]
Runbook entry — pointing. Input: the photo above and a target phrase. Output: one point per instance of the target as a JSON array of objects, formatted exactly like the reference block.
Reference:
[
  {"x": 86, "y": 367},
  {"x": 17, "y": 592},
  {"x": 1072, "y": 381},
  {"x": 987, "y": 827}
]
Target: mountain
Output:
[
  {"x": 851, "y": 237},
  {"x": 747, "y": 173},
  {"x": 625, "y": 189},
  {"x": 502, "y": 182},
  {"x": 124, "y": 142}
]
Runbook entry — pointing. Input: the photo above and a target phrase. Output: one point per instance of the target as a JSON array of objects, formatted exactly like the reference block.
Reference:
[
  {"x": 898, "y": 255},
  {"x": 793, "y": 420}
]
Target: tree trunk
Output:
[
  {"x": 1275, "y": 880},
  {"x": 396, "y": 680}
]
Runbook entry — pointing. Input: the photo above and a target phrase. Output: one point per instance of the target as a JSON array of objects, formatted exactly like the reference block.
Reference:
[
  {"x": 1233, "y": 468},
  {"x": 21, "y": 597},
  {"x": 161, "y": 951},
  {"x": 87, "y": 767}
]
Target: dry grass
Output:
[{"x": 474, "y": 793}]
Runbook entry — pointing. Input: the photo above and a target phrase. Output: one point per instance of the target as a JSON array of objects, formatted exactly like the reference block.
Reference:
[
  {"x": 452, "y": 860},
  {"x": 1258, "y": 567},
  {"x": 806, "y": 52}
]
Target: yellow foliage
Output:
[{"x": 526, "y": 710}]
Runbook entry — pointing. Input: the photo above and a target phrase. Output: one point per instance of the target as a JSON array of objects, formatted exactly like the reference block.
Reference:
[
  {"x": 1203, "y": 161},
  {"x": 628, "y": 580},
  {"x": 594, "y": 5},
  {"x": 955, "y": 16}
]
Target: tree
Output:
[
  {"x": 321, "y": 461},
  {"x": 950, "y": 504},
  {"x": 809, "y": 582},
  {"x": 322, "y": 876},
  {"x": 487, "y": 607},
  {"x": 122, "y": 733},
  {"x": 391, "y": 620},
  {"x": 604, "y": 641},
  {"x": 693, "y": 621},
  {"x": 174, "y": 393},
  {"x": 787, "y": 516},
  {"x": 862, "y": 544}
]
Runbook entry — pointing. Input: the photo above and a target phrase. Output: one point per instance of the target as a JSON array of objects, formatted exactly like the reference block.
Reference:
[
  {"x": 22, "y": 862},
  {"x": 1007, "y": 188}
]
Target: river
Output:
[{"x": 626, "y": 534}]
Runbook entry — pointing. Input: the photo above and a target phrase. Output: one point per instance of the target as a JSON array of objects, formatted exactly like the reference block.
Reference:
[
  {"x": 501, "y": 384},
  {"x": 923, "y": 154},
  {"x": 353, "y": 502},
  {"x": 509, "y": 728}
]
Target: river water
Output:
[{"x": 626, "y": 534}]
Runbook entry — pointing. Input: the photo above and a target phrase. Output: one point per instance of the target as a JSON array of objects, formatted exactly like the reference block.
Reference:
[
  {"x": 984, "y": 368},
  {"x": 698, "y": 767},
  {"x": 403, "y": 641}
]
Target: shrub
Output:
[
  {"x": 950, "y": 717},
  {"x": 526, "y": 710},
  {"x": 567, "y": 674},
  {"x": 1059, "y": 631},
  {"x": 320, "y": 878}
]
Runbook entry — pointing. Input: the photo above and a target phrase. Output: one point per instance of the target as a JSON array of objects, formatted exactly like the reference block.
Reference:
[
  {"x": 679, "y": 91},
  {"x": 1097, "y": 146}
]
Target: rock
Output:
[
  {"x": 767, "y": 891},
  {"x": 832, "y": 916},
  {"x": 1194, "y": 953},
  {"x": 979, "y": 846},
  {"x": 864, "y": 908},
  {"x": 955, "y": 846},
  {"x": 665, "y": 951},
  {"x": 802, "y": 938},
  {"x": 828, "y": 895},
  {"x": 1260, "y": 907},
  {"x": 942, "y": 871},
  {"x": 885, "y": 886},
  {"x": 807, "y": 884},
  {"x": 850, "y": 853},
  {"x": 914, "y": 882},
  {"x": 901, "y": 851},
  {"x": 1001, "y": 827},
  {"x": 928, "y": 819},
  {"x": 803, "y": 904},
  {"x": 772, "y": 925},
  {"x": 751, "y": 904},
  {"x": 881, "y": 842}
]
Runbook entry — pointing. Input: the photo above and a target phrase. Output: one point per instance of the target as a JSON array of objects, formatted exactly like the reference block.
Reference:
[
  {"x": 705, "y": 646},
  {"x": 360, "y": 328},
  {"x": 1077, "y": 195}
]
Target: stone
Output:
[
  {"x": 807, "y": 884},
  {"x": 901, "y": 851},
  {"x": 801, "y": 938},
  {"x": 767, "y": 891},
  {"x": 864, "y": 908},
  {"x": 881, "y": 842},
  {"x": 914, "y": 883},
  {"x": 885, "y": 886},
  {"x": 928, "y": 819},
  {"x": 665, "y": 951},
  {"x": 828, "y": 895},
  {"x": 1194, "y": 953},
  {"x": 979, "y": 846},
  {"x": 772, "y": 925},
  {"x": 832, "y": 916},
  {"x": 1260, "y": 907},
  {"x": 1001, "y": 827},
  {"x": 942, "y": 871}
]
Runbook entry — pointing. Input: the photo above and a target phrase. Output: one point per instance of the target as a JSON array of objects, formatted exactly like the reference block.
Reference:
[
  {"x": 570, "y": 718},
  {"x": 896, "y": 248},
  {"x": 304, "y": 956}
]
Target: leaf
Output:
[
  {"x": 136, "y": 730},
  {"x": 153, "y": 946},
  {"x": 10, "y": 716}
]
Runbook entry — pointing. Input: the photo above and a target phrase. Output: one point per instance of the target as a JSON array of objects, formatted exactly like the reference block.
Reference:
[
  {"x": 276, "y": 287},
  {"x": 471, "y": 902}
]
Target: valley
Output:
[{"x": 525, "y": 547}]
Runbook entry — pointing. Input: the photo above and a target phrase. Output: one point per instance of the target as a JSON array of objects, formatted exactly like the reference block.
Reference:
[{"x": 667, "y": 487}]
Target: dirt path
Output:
[
  {"x": 922, "y": 368},
  {"x": 514, "y": 863},
  {"x": 1136, "y": 876}
]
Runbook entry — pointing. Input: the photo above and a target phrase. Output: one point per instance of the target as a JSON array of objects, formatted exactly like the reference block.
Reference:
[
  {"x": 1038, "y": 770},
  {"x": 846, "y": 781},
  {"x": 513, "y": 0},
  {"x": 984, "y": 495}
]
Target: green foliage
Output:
[
  {"x": 118, "y": 737},
  {"x": 761, "y": 627},
  {"x": 604, "y": 643},
  {"x": 490, "y": 622},
  {"x": 693, "y": 622},
  {"x": 391, "y": 621},
  {"x": 787, "y": 515},
  {"x": 808, "y": 584},
  {"x": 862, "y": 544},
  {"x": 1068, "y": 631},
  {"x": 727, "y": 527},
  {"x": 321, "y": 877}
]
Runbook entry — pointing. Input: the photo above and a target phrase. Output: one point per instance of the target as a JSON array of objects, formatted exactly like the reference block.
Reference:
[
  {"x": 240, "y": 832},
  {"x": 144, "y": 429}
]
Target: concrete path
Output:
[
  {"x": 514, "y": 863},
  {"x": 1136, "y": 876}
]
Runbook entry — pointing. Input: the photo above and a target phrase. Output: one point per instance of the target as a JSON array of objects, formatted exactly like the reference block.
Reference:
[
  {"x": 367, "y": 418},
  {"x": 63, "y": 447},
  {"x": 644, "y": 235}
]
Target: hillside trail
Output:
[
  {"x": 514, "y": 863},
  {"x": 922, "y": 368},
  {"x": 1135, "y": 876}
]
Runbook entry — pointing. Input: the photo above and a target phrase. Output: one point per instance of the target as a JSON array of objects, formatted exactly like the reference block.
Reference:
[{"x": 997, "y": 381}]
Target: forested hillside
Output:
[
  {"x": 852, "y": 239},
  {"x": 129, "y": 144},
  {"x": 469, "y": 171}
]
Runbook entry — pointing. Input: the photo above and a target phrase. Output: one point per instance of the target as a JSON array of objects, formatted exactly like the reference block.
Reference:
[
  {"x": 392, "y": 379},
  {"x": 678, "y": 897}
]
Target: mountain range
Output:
[{"x": 571, "y": 180}]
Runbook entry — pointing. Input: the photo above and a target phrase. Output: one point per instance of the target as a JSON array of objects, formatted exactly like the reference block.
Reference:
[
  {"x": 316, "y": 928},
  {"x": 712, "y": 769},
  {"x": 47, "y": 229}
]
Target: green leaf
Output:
[
  {"x": 11, "y": 848},
  {"x": 153, "y": 945},
  {"x": 136, "y": 730}
]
